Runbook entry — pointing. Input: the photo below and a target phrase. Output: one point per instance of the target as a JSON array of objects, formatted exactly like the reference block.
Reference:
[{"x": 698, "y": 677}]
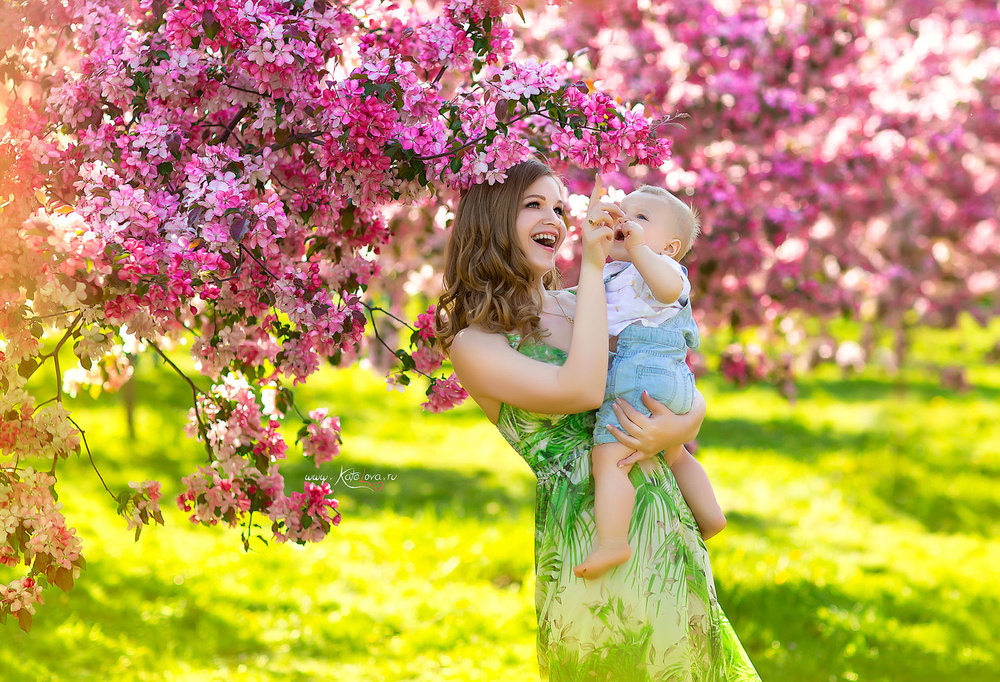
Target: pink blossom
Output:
[
  {"x": 444, "y": 394},
  {"x": 427, "y": 360},
  {"x": 426, "y": 325},
  {"x": 323, "y": 440}
]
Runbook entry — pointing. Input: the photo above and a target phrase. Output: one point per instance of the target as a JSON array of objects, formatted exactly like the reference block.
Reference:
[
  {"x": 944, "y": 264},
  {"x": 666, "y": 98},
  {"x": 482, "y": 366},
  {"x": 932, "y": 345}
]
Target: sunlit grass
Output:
[{"x": 862, "y": 543}]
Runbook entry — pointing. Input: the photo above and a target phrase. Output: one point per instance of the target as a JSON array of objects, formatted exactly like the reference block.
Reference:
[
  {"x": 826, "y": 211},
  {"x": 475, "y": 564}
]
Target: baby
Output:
[{"x": 649, "y": 310}]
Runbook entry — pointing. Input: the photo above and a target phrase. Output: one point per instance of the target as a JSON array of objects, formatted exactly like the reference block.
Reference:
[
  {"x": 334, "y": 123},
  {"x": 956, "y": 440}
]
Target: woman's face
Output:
[{"x": 540, "y": 227}]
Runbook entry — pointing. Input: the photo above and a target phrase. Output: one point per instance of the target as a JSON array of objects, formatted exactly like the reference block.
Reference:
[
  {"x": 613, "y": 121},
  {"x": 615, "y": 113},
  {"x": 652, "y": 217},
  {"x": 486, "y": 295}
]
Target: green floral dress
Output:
[{"x": 655, "y": 617}]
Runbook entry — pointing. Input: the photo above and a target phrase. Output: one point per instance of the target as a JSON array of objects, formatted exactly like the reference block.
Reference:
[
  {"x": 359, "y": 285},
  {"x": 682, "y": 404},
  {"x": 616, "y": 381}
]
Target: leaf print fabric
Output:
[{"x": 656, "y": 617}]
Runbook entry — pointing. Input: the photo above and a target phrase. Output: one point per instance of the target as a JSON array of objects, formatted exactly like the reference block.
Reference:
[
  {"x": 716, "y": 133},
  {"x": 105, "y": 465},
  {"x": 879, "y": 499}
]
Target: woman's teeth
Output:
[{"x": 545, "y": 239}]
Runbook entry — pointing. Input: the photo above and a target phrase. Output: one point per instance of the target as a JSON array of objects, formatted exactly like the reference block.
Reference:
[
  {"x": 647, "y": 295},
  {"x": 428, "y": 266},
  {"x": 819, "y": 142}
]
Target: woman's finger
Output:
[
  {"x": 632, "y": 415},
  {"x": 612, "y": 212},
  {"x": 595, "y": 195},
  {"x": 652, "y": 404},
  {"x": 604, "y": 218},
  {"x": 624, "y": 438},
  {"x": 636, "y": 456}
]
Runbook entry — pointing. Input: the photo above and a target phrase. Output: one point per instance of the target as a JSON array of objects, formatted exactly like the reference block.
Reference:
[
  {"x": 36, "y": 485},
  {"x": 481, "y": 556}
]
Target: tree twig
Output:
[
  {"x": 383, "y": 310},
  {"x": 297, "y": 137},
  {"x": 83, "y": 436},
  {"x": 236, "y": 87},
  {"x": 202, "y": 429},
  {"x": 55, "y": 351},
  {"x": 61, "y": 312},
  {"x": 259, "y": 262},
  {"x": 232, "y": 124},
  {"x": 378, "y": 337}
]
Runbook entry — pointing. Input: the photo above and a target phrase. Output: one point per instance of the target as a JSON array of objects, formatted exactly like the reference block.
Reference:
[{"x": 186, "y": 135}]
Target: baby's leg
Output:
[
  {"x": 614, "y": 498},
  {"x": 693, "y": 482}
]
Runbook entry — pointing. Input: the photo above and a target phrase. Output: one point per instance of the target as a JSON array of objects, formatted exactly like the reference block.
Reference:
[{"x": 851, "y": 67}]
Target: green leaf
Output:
[
  {"x": 210, "y": 25},
  {"x": 406, "y": 172},
  {"x": 302, "y": 433},
  {"x": 347, "y": 218},
  {"x": 64, "y": 579},
  {"x": 26, "y": 368},
  {"x": 165, "y": 168},
  {"x": 123, "y": 499}
]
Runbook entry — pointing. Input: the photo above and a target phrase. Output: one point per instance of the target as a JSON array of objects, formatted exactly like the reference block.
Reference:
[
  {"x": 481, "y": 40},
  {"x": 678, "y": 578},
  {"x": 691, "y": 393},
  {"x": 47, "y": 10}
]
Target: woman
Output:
[{"x": 656, "y": 616}]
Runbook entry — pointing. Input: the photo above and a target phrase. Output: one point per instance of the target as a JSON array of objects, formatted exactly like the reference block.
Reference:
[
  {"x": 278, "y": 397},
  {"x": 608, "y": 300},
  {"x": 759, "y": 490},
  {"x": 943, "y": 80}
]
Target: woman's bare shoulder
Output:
[{"x": 476, "y": 338}]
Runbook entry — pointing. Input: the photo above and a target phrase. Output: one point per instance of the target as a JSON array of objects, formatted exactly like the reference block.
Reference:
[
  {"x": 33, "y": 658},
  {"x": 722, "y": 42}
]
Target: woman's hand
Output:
[
  {"x": 661, "y": 430},
  {"x": 597, "y": 231}
]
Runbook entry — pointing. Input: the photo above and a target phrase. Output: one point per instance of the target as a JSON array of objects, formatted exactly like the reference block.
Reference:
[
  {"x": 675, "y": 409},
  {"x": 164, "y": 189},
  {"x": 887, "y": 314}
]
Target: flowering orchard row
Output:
[
  {"x": 222, "y": 172},
  {"x": 845, "y": 157}
]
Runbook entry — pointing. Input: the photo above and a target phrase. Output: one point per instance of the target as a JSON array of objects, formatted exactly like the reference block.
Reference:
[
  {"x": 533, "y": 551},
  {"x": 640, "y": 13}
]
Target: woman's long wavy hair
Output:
[{"x": 487, "y": 281}]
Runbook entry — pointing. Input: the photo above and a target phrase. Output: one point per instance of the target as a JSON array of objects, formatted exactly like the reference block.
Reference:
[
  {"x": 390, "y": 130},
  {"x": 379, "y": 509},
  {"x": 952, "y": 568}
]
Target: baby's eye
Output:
[{"x": 642, "y": 216}]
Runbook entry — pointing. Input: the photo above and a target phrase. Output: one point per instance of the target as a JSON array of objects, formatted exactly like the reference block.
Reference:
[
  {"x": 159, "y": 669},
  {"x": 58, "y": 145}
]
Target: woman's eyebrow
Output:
[{"x": 539, "y": 196}]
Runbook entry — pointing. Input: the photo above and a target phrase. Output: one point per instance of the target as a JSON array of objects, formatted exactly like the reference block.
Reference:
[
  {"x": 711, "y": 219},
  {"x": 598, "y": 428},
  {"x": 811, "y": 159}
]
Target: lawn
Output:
[{"x": 863, "y": 540}]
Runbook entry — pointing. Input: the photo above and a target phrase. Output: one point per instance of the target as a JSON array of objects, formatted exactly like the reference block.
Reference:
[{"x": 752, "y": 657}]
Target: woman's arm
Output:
[
  {"x": 662, "y": 430},
  {"x": 488, "y": 367}
]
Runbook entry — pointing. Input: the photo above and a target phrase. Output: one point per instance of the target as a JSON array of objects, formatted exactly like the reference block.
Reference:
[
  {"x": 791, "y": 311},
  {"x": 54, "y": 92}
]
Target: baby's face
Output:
[{"x": 659, "y": 221}]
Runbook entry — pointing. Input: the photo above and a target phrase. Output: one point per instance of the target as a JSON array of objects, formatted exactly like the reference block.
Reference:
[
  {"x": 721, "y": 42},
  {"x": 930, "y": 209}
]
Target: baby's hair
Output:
[{"x": 690, "y": 217}]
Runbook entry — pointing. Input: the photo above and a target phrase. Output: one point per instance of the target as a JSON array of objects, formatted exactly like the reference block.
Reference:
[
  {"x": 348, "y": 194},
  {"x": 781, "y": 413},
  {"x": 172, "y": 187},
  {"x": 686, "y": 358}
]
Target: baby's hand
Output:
[{"x": 633, "y": 233}]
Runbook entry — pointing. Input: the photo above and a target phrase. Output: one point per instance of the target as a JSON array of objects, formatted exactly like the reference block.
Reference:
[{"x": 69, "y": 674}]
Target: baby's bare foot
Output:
[{"x": 602, "y": 560}]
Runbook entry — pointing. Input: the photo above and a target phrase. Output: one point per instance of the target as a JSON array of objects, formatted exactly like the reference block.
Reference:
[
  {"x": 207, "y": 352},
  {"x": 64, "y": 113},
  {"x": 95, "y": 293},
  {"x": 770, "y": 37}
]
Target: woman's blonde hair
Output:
[{"x": 487, "y": 281}]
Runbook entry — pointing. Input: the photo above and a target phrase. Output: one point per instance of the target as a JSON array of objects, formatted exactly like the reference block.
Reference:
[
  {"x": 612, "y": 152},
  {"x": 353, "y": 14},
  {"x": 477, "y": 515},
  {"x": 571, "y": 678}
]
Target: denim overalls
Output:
[{"x": 651, "y": 359}]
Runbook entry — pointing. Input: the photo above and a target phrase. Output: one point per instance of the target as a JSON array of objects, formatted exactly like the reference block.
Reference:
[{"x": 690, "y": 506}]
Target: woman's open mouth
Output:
[{"x": 546, "y": 239}]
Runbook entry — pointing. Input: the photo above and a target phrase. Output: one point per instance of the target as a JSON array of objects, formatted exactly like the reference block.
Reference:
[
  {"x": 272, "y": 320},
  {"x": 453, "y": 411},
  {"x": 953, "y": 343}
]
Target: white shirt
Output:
[{"x": 630, "y": 299}]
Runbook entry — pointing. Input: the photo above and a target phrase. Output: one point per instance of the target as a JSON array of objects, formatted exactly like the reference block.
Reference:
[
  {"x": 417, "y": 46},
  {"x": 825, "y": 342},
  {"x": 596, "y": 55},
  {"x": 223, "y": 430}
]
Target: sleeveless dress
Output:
[{"x": 654, "y": 617}]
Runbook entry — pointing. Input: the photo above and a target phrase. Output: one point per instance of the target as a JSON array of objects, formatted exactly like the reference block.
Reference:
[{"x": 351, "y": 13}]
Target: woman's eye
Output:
[
  {"x": 559, "y": 211},
  {"x": 532, "y": 204}
]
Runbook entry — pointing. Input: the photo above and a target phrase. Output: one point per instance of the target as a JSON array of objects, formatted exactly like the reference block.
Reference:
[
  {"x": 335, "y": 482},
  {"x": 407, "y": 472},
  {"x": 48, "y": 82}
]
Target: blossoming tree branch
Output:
[{"x": 221, "y": 172}]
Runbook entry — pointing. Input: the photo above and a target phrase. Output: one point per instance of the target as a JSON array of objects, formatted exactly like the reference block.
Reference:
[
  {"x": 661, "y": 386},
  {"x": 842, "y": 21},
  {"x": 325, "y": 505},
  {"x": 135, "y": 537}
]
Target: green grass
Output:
[{"x": 862, "y": 543}]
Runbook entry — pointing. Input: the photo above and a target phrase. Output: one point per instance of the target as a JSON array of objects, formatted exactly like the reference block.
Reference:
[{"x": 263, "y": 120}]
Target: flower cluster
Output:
[
  {"x": 33, "y": 532},
  {"x": 444, "y": 394},
  {"x": 241, "y": 432},
  {"x": 142, "y": 505},
  {"x": 321, "y": 440},
  {"x": 747, "y": 363}
]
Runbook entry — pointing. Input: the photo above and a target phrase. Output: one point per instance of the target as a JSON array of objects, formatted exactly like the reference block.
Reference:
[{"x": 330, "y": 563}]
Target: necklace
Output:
[{"x": 562, "y": 312}]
